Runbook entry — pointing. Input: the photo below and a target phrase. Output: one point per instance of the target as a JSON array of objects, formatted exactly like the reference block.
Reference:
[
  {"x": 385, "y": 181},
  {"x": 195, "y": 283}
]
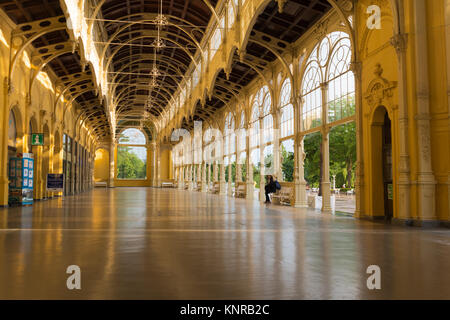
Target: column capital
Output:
[
  {"x": 399, "y": 42},
  {"x": 356, "y": 68}
]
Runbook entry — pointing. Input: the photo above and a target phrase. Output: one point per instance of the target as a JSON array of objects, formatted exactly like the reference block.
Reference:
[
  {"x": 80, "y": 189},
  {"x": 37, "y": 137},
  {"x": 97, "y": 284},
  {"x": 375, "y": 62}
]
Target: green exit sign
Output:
[{"x": 37, "y": 139}]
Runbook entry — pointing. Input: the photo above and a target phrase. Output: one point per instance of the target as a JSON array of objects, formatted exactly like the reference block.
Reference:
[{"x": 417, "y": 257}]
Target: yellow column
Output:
[
  {"x": 4, "y": 150},
  {"x": 112, "y": 164}
]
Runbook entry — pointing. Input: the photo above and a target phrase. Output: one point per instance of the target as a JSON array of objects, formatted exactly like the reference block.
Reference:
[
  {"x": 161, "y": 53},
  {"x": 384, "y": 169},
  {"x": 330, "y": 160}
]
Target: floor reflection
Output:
[{"x": 143, "y": 243}]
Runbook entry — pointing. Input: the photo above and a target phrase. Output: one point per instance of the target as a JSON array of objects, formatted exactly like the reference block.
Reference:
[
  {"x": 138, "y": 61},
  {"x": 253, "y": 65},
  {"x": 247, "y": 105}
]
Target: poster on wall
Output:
[
  {"x": 55, "y": 182},
  {"x": 21, "y": 179}
]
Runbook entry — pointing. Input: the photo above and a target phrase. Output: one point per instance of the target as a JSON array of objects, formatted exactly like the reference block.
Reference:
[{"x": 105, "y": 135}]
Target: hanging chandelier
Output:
[
  {"x": 160, "y": 21},
  {"x": 155, "y": 71},
  {"x": 153, "y": 83}
]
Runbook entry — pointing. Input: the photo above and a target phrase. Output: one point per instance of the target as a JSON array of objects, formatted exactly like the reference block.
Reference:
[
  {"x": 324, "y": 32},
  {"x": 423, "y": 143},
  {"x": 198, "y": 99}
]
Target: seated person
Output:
[{"x": 270, "y": 187}]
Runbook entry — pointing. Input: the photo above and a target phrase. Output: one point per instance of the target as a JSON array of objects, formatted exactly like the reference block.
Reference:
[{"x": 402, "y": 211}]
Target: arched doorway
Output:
[
  {"x": 101, "y": 165},
  {"x": 12, "y": 136},
  {"x": 382, "y": 174}
]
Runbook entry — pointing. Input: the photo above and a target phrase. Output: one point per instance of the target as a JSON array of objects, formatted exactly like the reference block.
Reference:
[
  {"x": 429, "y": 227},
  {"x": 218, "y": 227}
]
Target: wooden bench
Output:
[
  {"x": 285, "y": 195},
  {"x": 216, "y": 187},
  {"x": 100, "y": 184},
  {"x": 169, "y": 183},
  {"x": 240, "y": 191},
  {"x": 198, "y": 186}
]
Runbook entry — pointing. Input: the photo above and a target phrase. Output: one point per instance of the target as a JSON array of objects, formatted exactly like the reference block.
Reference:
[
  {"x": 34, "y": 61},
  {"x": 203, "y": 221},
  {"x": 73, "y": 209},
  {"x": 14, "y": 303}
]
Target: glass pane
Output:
[
  {"x": 131, "y": 162},
  {"x": 132, "y": 136},
  {"x": 287, "y": 160}
]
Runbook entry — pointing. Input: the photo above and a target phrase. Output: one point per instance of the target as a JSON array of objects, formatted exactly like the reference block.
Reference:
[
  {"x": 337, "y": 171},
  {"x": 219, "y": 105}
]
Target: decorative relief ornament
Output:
[
  {"x": 399, "y": 42},
  {"x": 321, "y": 30},
  {"x": 380, "y": 89},
  {"x": 281, "y": 4},
  {"x": 345, "y": 5}
]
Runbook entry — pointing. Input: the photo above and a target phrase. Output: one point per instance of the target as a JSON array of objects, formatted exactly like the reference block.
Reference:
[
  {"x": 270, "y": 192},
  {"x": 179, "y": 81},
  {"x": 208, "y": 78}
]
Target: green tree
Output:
[
  {"x": 343, "y": 151},
  {"x": 129, "y": 166},
  {"x": 257, "y": 174},
  {"x": 287, "y": 164},
  {"x": 312, "y": 147}
]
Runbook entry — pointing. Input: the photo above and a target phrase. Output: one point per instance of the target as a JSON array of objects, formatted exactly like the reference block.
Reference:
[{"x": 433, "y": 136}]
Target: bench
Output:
[
  {"x": 100, "y": 184},
  {"x": 186, "y": 184},
  {"x": 216, "y": 187},
  {"x": 240, "y": 190},
  {"x": 285, "y": 195},
  {"x": 198, "y": 186},
  {"x": 169, "y": 183}
]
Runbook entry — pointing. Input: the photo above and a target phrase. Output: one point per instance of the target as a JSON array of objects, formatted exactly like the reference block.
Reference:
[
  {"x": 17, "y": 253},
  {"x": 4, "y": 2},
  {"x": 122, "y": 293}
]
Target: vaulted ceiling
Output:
[
  {"x": 67, "y": 66},
  {"x": 126, "y": 33}
]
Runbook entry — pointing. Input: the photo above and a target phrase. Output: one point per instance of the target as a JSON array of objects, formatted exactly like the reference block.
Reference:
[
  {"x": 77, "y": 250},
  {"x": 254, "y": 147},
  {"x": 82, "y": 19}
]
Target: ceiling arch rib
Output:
[{"x": 129, "y": 55}]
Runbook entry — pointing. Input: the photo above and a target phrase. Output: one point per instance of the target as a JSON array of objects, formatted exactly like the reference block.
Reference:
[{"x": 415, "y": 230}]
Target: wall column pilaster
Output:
[
  {"x": 399, "y": 42},
  {"x": 250, "y": 185},
  {"x": 222, "y": 183},
  {"x": 426, "y": 182},
  {"x": 112, "y": 148}
]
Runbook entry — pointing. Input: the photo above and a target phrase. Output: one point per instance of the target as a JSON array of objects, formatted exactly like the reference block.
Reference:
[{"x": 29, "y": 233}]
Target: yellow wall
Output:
[
  {"x": 35, "y": 104},
  {"x": 101, "y": 166},
  {"x": 166, "y": 164},
  {"x": 135, "y": 183}
]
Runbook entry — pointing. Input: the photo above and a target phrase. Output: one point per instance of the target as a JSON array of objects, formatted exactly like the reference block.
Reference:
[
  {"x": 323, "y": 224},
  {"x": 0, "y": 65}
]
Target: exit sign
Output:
[{"x": 37, "y": 139}]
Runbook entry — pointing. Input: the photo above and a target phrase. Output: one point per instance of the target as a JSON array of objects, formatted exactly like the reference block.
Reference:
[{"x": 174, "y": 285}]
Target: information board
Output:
[
  {"x": 37, "y": 139},
  {"x": 55, "y": 182}
]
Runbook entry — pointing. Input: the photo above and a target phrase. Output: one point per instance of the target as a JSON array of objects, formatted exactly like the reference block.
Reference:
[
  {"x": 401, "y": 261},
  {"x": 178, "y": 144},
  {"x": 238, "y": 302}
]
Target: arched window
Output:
[
  {"x": 329, "y": 63},
  {"x": 254, "y": 126},
  {"x": 231, "y": 14},
  {"x": 341, "y": 81},
  {"x": 197, "y": 141},
  {"x": 216, "y": 39},
  {"x": 242, "y": 133},
  {"x": 287, "y": 110},
  {"x": 230, "y": 137},
  {"x": 267, "y": 119},
  {"x": 132, "y": 155},
  {"x": 12, "y": 131}
]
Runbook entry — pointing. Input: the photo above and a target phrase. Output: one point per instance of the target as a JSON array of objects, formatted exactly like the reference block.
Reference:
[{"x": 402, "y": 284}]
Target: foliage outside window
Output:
[
  {"x": 132, "y": 155},
  {"x": 287, "y": 160},
  {"x": 329, "y": 63},
  {"x": 287, "y": 110}
]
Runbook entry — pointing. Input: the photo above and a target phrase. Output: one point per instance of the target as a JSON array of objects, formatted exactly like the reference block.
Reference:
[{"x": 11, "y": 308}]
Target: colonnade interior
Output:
[{"x": 154, "y": 104}]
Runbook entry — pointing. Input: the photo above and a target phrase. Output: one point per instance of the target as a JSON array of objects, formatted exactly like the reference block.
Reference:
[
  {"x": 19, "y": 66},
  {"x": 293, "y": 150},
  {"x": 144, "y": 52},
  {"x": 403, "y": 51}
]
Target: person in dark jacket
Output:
[{"x": 270, "y": 188}]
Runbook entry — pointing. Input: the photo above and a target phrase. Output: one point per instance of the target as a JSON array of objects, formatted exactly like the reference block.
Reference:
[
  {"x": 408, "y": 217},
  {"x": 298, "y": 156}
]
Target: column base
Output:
[
  {"x": 249, "y": 191},
  {"x": 427, "y": 195},
  {"x": 300, "y": 200},
  {"x": 326, "y": 197},
  {"x": 4, "y": 190},
  {"x": 420, "y": 223},
  {"x": 204, "y": 187},
  {"x": 222, "y": 188},
  {"x": 301, "y": 205}
]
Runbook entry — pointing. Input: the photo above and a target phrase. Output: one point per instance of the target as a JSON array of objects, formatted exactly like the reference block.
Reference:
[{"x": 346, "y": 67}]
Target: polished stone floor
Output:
[{"x": 144, "y": 243}]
